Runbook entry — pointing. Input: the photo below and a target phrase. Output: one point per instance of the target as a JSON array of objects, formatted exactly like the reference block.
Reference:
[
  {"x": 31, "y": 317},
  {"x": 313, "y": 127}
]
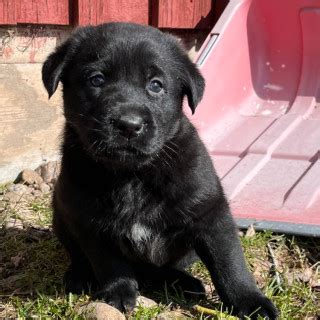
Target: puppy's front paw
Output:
[
  {"x": 256, "y": 305},
  {"x": 121, "y": 294}
]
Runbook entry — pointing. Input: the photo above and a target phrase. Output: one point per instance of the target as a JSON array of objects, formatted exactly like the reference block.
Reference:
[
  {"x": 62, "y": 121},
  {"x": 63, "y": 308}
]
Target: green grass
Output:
[
  {"x": 143, "y": 313},
  {"x": 32, "y": 264},
  {"x": 3, "y": 187},
  {"x": 42, "y": 211},
  {"x": 48, "y": 307}
]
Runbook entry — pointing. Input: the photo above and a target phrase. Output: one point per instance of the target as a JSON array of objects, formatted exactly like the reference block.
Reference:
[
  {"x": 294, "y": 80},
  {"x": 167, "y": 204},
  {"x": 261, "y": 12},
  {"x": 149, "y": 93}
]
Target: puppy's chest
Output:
[
  {"x": 130, "y": 200},
  {"x": 137, "y": 223},
  {"x": 143, "y": 242}
]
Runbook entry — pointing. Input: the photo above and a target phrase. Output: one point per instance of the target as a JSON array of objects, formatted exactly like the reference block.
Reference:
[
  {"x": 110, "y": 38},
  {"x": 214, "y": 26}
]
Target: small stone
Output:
[
  {"x": 19, "y": 188},
  {"x": 29, "y": 177},
  {"x": 14, "y": 223},
  {"x": 241, "y": 234},
  {"x": 100, "y": 311},
  {"x": 44, "y": 188},
  {"x": 145, "y": 302},
  {"x": 37, "y": 193},
  {"x": 13, "y": 197},
  {"x": 49, "y": 171},
  {"x": 171, "y": 315}
]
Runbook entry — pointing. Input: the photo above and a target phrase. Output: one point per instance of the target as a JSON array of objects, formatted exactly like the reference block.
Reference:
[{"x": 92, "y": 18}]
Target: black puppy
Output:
[{"x": 137, "y": 192}]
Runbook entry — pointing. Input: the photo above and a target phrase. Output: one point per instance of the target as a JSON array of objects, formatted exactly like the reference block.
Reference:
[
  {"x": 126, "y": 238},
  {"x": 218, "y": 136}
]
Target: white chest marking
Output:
[{"x": 140, "y": 233}]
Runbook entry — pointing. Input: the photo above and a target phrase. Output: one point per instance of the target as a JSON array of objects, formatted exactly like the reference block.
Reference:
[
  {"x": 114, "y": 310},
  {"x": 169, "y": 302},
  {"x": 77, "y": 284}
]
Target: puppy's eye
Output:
[
  {"x": 155, "y": 86},
  {"x": 97, "y": 80}
]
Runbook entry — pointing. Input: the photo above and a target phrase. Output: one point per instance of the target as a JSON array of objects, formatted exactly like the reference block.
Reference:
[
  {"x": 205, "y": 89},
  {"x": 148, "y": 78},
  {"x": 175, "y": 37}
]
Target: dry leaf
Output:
[
  {"x": 250, "y": 232},
  {"x": 306, "y": 275},
  {"x": 16, "y": 260}
]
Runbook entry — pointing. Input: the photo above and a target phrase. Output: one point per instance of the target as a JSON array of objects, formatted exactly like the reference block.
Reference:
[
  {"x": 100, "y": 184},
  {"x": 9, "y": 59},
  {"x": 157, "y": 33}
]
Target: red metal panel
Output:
[
  {"x": 7, "y": 12},
  {"x": 183, "y": 14},
  {"x": 43, "y": 11},
  {"x": 100, "y": 11}
]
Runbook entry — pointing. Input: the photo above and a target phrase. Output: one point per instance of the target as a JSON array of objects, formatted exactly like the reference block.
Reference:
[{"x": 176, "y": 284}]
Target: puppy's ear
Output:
[
  {"x": 53, "y": 67},
  {"x": 193, "y": 84}
]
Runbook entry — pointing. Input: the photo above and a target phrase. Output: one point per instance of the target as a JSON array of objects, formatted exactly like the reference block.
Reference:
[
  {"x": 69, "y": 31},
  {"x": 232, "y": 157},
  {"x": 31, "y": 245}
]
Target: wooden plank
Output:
[
  {"x": 91, "y": 12},
  {"x": 43, "y": 11},
  {"x": 7, "y": 12},
  {"x": 182, "y": 14}
]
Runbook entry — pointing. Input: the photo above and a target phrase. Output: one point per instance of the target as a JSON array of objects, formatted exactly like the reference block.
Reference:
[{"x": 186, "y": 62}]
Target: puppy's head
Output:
[{"x": 123, "y": 87}]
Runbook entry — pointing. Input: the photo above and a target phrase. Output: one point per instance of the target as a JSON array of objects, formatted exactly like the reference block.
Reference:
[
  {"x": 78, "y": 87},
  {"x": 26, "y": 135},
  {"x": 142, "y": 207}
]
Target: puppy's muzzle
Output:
[{"x": 129, "y": 125}]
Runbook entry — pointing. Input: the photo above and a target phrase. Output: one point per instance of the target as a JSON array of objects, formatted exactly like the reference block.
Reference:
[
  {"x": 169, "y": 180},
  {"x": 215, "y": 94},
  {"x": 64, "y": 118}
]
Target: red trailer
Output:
[{"x": 260, "y": 115}]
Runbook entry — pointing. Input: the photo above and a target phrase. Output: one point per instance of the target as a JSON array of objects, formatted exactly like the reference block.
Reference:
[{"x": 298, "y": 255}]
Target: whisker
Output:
[
  {"x": 173, "y": 144},
  {"x": 167, "y": 155},
  {"x": 163, "y": 160},
  {"x": 92, "y": 117},
  {"x": 174, "y": 151},
  {"x": 97, "y": 130}
]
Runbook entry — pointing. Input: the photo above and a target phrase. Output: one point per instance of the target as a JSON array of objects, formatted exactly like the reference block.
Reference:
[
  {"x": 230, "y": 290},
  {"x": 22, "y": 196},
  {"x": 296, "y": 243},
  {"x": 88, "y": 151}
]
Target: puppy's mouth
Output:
[
  {"x": 127, "y": 151},
  {"x": 105, "y": 151}
]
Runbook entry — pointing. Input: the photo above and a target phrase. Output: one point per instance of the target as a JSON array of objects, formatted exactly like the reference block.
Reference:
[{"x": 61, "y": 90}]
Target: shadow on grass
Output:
[
  {"x": 32, "y": 264},
  {"x": 309, "y": 246},
  {"x": 31, "y": 261}
]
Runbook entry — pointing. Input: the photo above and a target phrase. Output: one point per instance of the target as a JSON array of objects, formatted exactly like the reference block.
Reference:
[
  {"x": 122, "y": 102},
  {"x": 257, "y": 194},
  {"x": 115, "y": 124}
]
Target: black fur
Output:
[{"x": 137, "y": 192}]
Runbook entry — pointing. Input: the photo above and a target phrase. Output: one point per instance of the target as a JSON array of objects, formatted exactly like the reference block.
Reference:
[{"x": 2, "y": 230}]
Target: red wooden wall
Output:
[
  {"x": 182, "y": 13},
  {"x": 7, "y": 12},
  {"x": 186, "y": 14},
  {"x": 34, "y": 11},
  {"x": 42, "y": 11},
  {"x": 99, "y": 11}
]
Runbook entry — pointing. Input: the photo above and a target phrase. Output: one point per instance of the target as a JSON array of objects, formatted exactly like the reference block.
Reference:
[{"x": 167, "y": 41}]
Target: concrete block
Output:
[
  {"x": 30, "y": 44},
  {"x": 30, "y": 125}
]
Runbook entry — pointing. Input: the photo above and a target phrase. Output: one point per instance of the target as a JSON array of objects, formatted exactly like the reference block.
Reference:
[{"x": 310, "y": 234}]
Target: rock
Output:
[
  {"x": 37, "y": 193},
  {"x": 100, "y": 311},
  {"x": 44, "y": 188},
  {"x": 49, "y": 171},
  {"x": 14, "y": 223},
  {"x": 19, "y": 188},
  {"x": 14, "y": 197},
  {"x": 29, "y": 177},
  {"x": 145, "y": 302},
  {"x": 171, "y": 315}
]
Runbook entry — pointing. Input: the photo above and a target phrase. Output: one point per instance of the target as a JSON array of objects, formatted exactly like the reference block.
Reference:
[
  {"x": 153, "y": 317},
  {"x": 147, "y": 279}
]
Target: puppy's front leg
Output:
[
  {"x": 218, "y": 246},
  {"x": 117, "y": 281}
]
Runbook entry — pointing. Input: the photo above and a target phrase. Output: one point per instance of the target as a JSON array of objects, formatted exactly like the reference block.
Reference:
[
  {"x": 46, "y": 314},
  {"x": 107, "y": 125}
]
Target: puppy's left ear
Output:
[
  {"x": 53, "y": 67},
  {"x": 193, "y": 84}
]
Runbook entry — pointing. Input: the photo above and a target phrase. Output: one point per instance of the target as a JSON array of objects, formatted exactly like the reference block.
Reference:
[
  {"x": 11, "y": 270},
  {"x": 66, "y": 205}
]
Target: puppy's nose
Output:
[{"x": 129, "y": 125}]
